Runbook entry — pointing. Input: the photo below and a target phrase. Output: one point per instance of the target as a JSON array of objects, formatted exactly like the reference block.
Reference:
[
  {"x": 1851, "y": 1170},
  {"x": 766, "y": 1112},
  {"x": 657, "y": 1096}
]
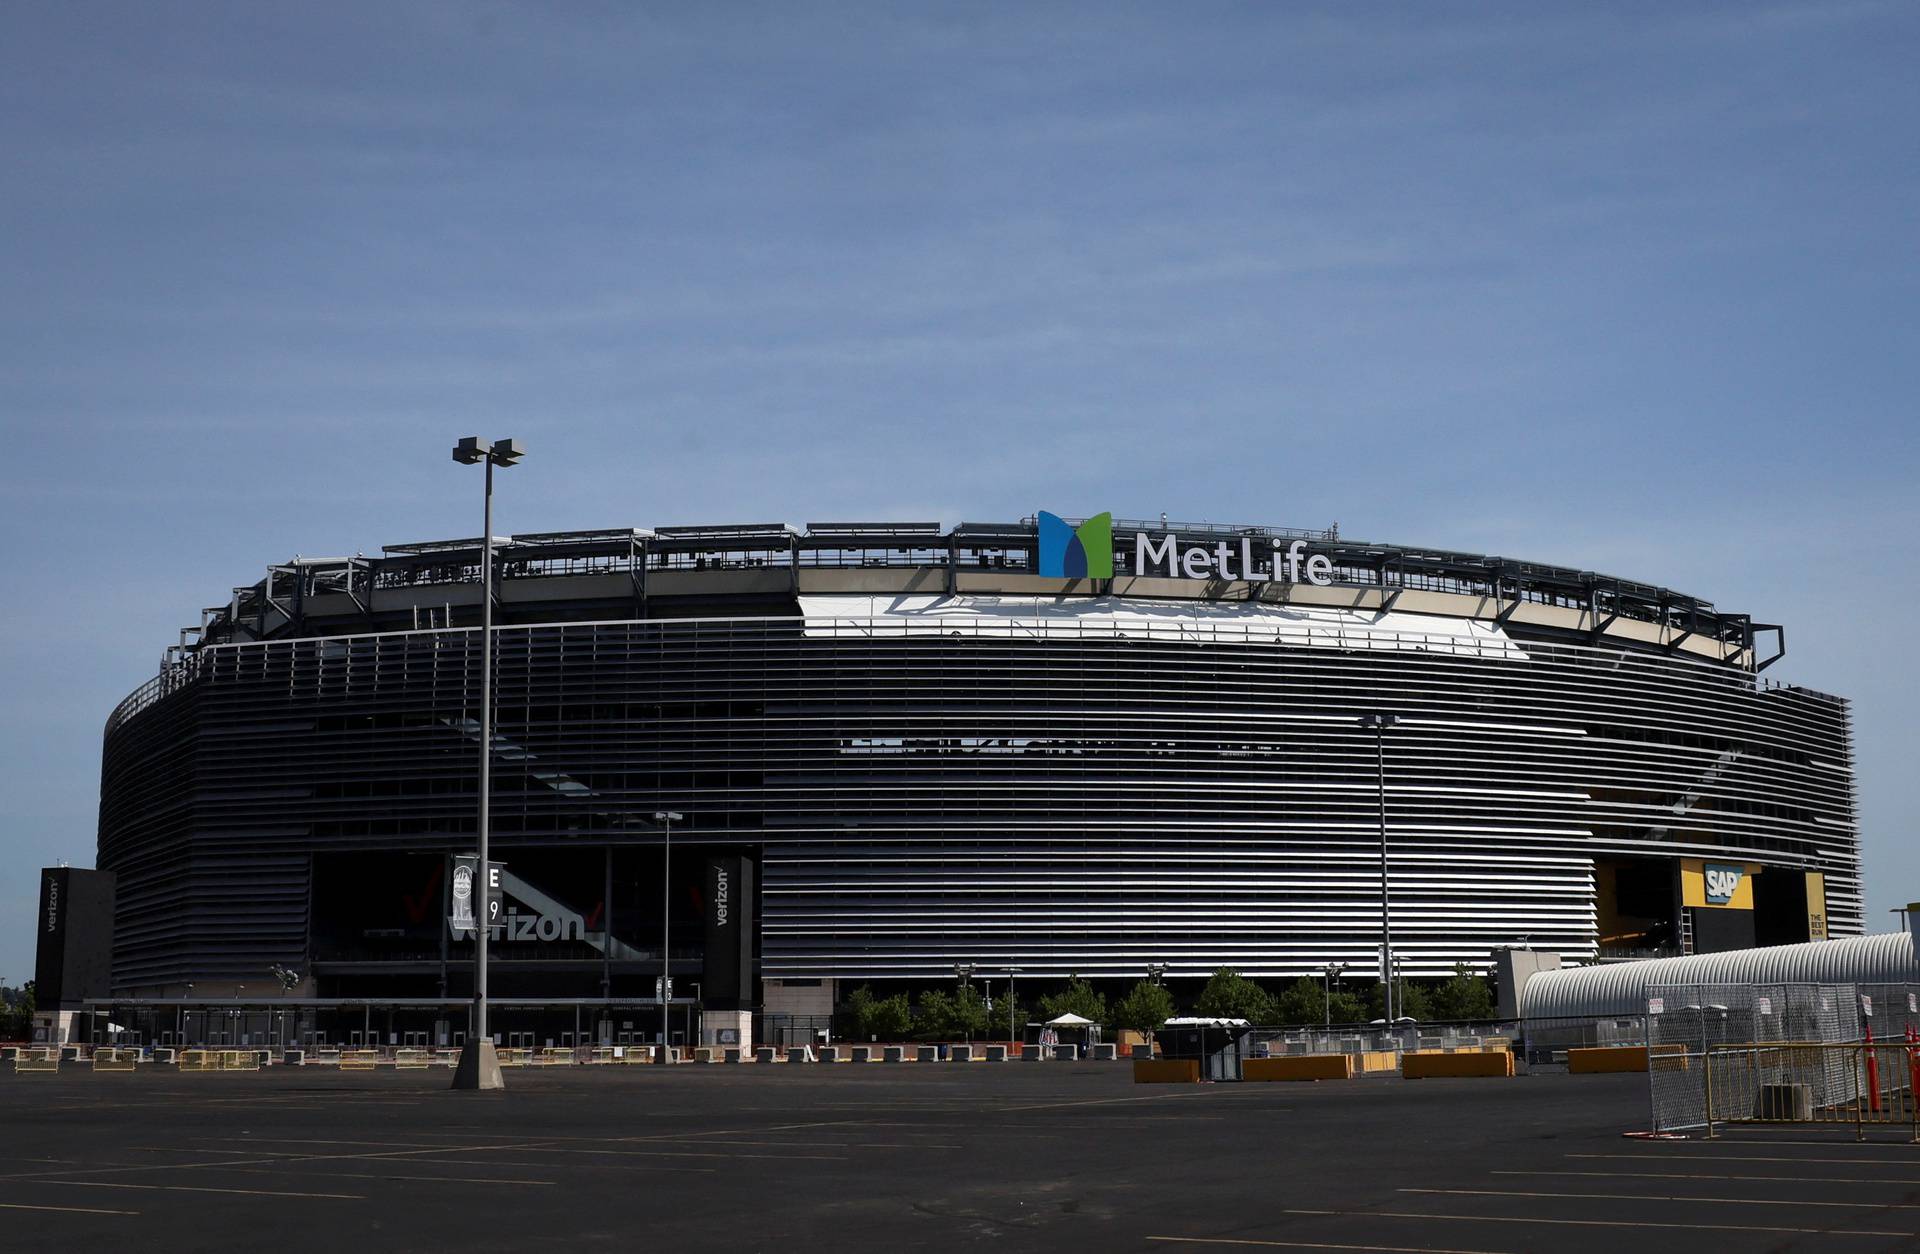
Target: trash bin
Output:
[{"x": 1218, "y": 1044}]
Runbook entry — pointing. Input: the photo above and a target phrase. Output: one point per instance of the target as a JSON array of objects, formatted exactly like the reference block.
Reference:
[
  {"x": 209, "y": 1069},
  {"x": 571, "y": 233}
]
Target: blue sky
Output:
[{"x": 1628, "y": 287}]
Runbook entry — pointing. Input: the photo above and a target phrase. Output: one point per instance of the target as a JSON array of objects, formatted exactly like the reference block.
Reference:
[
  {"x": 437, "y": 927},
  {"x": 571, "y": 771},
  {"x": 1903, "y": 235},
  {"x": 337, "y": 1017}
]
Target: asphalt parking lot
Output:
[{"x": 1054, "y": 1156}]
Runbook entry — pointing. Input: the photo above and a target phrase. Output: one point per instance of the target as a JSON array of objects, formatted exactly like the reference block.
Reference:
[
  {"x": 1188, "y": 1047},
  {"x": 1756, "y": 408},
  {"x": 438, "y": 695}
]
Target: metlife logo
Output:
[{"x": 1086, "y": 552}]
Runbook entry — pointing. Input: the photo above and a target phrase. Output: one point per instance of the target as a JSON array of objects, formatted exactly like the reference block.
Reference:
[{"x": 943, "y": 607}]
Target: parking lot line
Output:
[
  {"x": 198, "y": 1188},
  {"x": 367, "y": 1175},
  {"x": 1704, "y": 1175},
  {"x": 1655, "y": 1197},
  {"x": 1607, "y": 1223},
  {"x": 1753, "y": 1158},
  {"x": 66, "y": 1210},
  {"x": 1318, "y": 1245}
]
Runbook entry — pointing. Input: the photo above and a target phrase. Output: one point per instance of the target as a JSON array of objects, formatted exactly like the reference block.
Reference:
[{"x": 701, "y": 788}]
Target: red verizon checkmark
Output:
[
  {"x": 593, "y": 920},
  {"x": 417, "y": 906}
]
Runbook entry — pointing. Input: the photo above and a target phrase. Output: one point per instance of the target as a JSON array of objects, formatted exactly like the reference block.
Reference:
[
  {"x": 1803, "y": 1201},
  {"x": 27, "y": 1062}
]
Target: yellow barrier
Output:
[
  {"x": 1166, "y": 1071},
  {"x": 42, "y": 1060},
  {"x": 1606, "y": 1059},
  {"x": 1299, "y": 1067},
  {"x": 239, "y": 1060},
  {"x": 1423, "y": 1066},
  {"x": 1377, "y": 1061},
  {"x": 115, "y": 1059},
  {"x": 359, "y": 1059},
  {"x": 199, "y": 1060},
  {"x": 635, "y": 1053},
  {"x": 411, "y": 1059}
]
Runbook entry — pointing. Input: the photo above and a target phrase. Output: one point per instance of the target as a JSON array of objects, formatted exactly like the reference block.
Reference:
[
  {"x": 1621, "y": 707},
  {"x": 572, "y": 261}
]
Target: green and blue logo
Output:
[{"x": 1083, "y": 552}]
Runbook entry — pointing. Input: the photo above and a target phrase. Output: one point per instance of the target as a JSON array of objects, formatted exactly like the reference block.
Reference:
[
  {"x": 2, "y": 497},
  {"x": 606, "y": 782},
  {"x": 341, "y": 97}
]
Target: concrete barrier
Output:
[
  {"x": 800, "y": 1053},
  {"x": 894, "y": 1053},
  {"x": 1299, "y": 1067},
  {"x": 294, "y": 1058},
  {"x": 1067, "y": 1053},
  {"x": 928, "y": 1053},
  {"x": 1166, "y": 1070},
  {"x": 996, "y": 1053},
  {"x": 765, "y": 1053},
  {"x": 733, "y": 1054},
  {"x": 1105, "y": 1053},
  {"x": 863, "y": 1053},
  {"x": 1141, "y": 1050},
  {"x": 1424, "y": 1066},
  {"x": 833, "y": 1053},
  {"x": 1032, "y": 1053},
  {"x": 1606, "y": 1059}
]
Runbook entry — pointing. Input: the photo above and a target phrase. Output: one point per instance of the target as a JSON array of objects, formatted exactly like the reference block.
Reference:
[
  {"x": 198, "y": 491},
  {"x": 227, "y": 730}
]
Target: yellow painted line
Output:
[
  {"x": 199, "y": 1188},
  {"x": 66, "y": 1210},
  {"x": 1317, "y": 1245},
  {"x": 1701, "y": 1175},
  {"x": 1605, "y": 1223},
  {"x": 1656, "y": 1197}
]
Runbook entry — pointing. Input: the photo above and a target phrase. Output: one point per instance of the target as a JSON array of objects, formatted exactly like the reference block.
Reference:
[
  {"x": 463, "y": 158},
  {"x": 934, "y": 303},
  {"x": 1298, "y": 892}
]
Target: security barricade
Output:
[
  {"x": 199, "y": 1060},
  {"x": 1818, "y": 1082},
  {"x": 116, "y": 1059},
  {"x": 411, "y": 1059},
  {"x": 359, "y": 1059},
  {"x": 40, "y": 1060}
]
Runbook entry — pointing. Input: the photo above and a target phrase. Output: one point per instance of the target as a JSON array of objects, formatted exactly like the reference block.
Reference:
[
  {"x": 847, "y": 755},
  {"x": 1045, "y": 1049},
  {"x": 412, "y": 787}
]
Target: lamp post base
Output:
[{"x": 479, "y": 1067}]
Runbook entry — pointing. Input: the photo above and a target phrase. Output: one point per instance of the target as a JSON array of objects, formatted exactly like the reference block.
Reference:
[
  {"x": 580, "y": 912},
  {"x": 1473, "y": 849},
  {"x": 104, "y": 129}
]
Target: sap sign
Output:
[{"x": 1722, "y": 882}]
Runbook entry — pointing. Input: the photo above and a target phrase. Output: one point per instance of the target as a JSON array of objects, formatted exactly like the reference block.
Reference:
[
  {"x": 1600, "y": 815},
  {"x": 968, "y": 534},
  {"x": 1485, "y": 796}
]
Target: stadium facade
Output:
[{"x": 1054, "y": 746}]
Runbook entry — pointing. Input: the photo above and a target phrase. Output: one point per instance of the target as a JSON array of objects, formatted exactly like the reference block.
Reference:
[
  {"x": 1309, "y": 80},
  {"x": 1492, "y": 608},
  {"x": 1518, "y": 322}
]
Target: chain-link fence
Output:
[{"x": 1693, "y": 1030}]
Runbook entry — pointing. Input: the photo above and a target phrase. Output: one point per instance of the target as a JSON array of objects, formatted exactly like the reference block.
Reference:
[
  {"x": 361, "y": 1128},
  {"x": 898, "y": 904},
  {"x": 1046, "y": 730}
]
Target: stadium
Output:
[{"x": 1088, "y": 747}]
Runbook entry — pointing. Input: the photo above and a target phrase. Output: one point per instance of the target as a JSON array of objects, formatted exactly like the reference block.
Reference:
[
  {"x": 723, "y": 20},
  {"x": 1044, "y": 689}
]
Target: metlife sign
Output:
[{"x": 1086, "y": 552}]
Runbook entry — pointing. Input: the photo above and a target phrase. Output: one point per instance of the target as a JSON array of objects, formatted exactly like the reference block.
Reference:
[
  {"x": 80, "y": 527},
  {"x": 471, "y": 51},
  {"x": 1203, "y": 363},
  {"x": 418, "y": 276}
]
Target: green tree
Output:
[
  {"x": 1465, "y": 996},
  {"x": 1303, "y": 1001},
  {"x": 873, "y": 1017},
  {"x": 1347, "y": 1007},
  {"x": 16, "y": 1015},
  {"x": 1230, "y": 995},
  {"x": 1145, "y": 1007},
  {"x": 1411, "y": 1001},
  {"x": 1077, "y": 998},
  {"x": 950, "y": 1016}
]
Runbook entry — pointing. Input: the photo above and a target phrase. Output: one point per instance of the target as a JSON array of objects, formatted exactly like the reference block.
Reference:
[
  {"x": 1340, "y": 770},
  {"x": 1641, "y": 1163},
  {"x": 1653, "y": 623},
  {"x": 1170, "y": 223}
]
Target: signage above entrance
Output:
[{"x": 1086, "y": 552}]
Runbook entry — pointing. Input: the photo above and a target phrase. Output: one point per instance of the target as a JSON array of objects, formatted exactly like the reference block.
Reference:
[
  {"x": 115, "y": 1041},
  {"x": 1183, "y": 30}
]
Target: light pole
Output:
[
  {"x": 1380, "y": 723},
  {"x": 963, "y": 971},
  {"x": 1013, "y": 1035},
  {"x": 479, "y": 1065},
  {"x": 1333, "y": 973},
  {"x": 666, "y": 819}
]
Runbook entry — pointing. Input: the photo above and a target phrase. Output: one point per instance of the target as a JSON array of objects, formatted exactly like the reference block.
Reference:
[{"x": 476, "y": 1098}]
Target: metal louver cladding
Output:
[{"x": 1048, "y": 795}]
